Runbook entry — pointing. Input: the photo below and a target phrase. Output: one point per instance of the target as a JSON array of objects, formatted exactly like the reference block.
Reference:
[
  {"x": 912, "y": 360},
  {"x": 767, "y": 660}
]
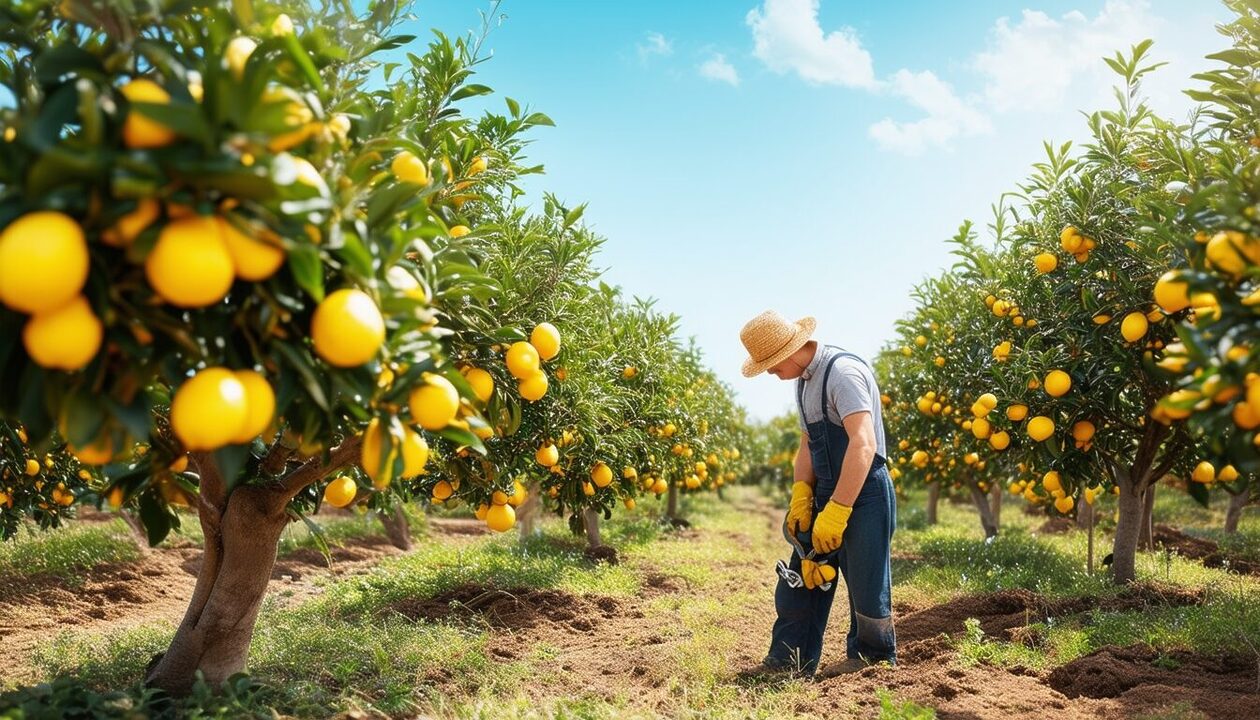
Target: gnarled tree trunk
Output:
[
  {"x": 590, "y": 521},
  {"x": 397, "y": 527},
  {"x": 995, "y": 505},
  {"x": 527, "y": 513},
  {"x": 934, "y": 496},
  {"x": 671, "y": 502},
  {"x": 240, "y": 550},
  {"x": 1146, "y": 537},
  {"x": 1128, "y": 528},
  {"x": 982, "y": 504},
  {"x": 1234, "y": 512}
]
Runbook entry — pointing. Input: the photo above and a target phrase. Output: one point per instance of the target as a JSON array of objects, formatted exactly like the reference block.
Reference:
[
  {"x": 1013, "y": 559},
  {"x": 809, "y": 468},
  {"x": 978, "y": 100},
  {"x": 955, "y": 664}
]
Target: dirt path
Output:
[
  {"x": 156, "y": 588},
  {"x": 629, "y": 648}
]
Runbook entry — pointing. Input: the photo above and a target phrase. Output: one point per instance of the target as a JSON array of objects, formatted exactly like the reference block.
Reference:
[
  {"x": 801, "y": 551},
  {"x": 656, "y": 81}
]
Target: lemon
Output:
[
  {"x": 692, "y": 482},
  {"x": 519, "y": 494},
  {"x": 140, "y": 131},
  {"x": 435, "y": 403},
  {"x": 341, "y": 491},
  {"x": 546, "y": 340},
  {"x": 1040, "y": 428},
  {"x": 500, "y": 518},
  {"x": 1064, "y": 504},
  {"x": 534, "y": 387},
  {"x": 409, "y": 168},
  {"x": 1057, "y": 383},
  {"x": 919, "y": 458},
  {"x": 981, "y": 428},
  {"x": 261, "y": 401},
  {"x": 1046, "y": 263},
  {"x": 1052, "y": 482},
  {"x": 522, "y": 360},
  {"x": 415, "y": 453},
  {"x": 179, "y": 465},
  {"x": 190, "y": 265},
  {"x": 921, "y": 341},
  {"x": 237, "y": 54},
  {"x": 601, "y": 474},
  {"x": 629, "y": 503},
  {"x": 253, "y": 258},
  {"x": 1000, "y": 440},
  {"x": 99, "y": 452},
  {"x": 128, "y": 227},
  {"x": 1071, "y": 241},
  {"x": 459, "y": 231},
  {"x": 988, "y": 400},
  {"x": 64, "y": 339},
  {"x": 1204, "y": 472},
  {"x": 347, "y": 328},
  {"x": 1224, "y": 256},
  {"x": 1172, "y": 293},
  {"x": 482, "y": 383},
  {"x": 442, "y": 490},
  {"x": 547, "y": 455},
  {"x": 43, "y": 262},
  {"x": 629, "y": 473},
  {"x": 209, "y": 410},
  {"x": 1134, "y": 326},
  {"x": 1016, "y": 413},
  {"x": 482, "y": 510},
  {"x": 1083, "y": 431}
]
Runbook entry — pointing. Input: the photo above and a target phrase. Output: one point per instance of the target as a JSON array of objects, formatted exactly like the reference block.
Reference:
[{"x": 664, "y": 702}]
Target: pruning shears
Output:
[{"x": 805, "y": 550}]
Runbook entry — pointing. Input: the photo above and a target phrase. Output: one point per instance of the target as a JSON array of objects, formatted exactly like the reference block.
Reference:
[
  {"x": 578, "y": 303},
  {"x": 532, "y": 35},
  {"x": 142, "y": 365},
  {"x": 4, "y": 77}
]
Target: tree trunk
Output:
[
  {"x": 995, "y": 505},
  {"x": 527, "y": 513},
  {"x": 1128, "y": 527},
  {"x": 934, "y": 495},
  {"x": 1086, "y": 511},
  {"x": 1237, "y": 502},
  {"x": 590, "y": 520},
  {"x": 214, "y": 636},
  {"x": 671, "y": 504},
  {"x": 986, "y": 513},
  {"x": 1146, "y": 541},
  {"x": 397, "y": 527}
]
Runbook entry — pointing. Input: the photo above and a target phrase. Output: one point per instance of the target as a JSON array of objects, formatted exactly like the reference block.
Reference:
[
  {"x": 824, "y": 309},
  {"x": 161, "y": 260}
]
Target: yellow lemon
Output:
[
  {"x": 522, "y": 360},
  {"x": 1040, "y": 428},
  {"x": 482, "y": 510},
  {"x": 64, "y": 339},
  {"x": 1058, "y": 383},
  {"x": 478, "y": 165},
  {"x": 1083, "y": 431},
  {"x": 435, "y": 403},
  {"x": 261, "y": 401},
  {"x": 921, "y": 341},
  {"x": 409, "y": 168},
  {"x": 99, "y": 452},
  {"x": 43, "y": 262},
  {"x": 989, "y": 400},
  {"x": 442, "y": 490},
  {"x": 630, "y": 372},
  {"x": 981, "y": 428},
  {"x": 209, "y": 410},
  {"x": 482, "y": 383},
  {"x": 519, "y": 494},
  {"x": 459, "y": 231},
  {"x": 1052, "y": 482},
  {"x": 1046, "y": 263},
  {"x": 546, "y": 340},
  {"x": 1070, "y": 240},
  {"x": 415, "y": 453},
  {"x": 341, "y": 491},
  {"x": 601, "y": 475},
  {"x": 254, "y": 259},
  {"x": 190, "y": 265},
  {"x": 1000, "y": 440},
  {"x": 1172, "y": 293},
  {"x": 1134, "y": 326},
  {"x": 347, "y": 328},
  {"x": 1224, "y": 256},
  {"x": 139, "y": 131},
  {"x": 534, "y": 387},
  {"x": 547, "y": 455},
  {"x": 629, "y": 503},
  {"x": 1016, "y": 413},
  {"x": 1204, "y": 472},
  {"x": 500, "y": 518},
  {"x": 1064, "y": 504}
]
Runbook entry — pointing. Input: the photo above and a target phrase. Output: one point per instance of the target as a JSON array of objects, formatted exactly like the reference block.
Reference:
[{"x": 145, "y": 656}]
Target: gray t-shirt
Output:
[{"x": 851, "y": 388}]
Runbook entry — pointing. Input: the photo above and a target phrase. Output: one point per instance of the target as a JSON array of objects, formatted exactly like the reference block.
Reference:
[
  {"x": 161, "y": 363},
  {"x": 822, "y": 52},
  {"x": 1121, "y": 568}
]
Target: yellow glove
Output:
[
  {"x": 816, "y": 575},
  {"x": 829, "y": 529},
  {"x": 801, "y": 509}
]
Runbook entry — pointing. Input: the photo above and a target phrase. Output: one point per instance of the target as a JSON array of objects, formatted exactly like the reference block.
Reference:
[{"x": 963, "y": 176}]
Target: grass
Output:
[
  {"x": 347, "y": 650},
  {"x": 65, "y": 552}
]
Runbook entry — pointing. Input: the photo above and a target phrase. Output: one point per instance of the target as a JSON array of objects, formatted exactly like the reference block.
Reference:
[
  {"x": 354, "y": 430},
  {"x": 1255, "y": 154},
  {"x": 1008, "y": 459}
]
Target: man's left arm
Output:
[{"x": 851, "y": 399}]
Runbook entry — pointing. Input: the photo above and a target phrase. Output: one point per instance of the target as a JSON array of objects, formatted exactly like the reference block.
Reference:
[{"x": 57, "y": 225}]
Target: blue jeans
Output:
[{"x": 864, "y": 561}]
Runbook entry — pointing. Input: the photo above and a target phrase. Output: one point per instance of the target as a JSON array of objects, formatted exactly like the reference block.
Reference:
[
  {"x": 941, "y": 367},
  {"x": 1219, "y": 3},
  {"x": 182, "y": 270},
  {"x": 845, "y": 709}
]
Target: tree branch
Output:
[
  {"x": 315, "y": 470},
  {"x": 277, "y": 457}
]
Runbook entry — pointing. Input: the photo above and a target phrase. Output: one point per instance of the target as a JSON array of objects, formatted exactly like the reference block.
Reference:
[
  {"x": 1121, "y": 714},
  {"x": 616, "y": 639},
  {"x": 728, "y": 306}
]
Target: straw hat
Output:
[{"x": 770, "y": 339}]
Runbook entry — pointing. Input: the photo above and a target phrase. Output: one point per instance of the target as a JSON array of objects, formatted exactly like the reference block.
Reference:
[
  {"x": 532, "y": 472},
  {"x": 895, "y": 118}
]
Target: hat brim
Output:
[{"x": 804, "y": 331}]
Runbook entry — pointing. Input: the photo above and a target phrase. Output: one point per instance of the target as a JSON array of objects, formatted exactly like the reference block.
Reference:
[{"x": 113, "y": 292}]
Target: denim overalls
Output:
[{"x": 863, "y": 558}]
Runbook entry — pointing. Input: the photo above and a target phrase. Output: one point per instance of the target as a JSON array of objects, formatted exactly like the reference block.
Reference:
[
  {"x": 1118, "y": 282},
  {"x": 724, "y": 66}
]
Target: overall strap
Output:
[{"x": 823, "y": 403}]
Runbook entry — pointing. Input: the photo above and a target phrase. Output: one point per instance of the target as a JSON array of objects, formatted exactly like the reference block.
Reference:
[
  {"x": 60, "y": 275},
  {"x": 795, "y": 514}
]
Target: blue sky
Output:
[{"x": 810, "y": 156}]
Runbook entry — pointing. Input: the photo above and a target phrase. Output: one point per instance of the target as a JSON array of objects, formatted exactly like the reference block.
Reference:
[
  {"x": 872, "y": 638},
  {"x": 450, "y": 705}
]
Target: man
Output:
[{"x": 841, "y": 489}]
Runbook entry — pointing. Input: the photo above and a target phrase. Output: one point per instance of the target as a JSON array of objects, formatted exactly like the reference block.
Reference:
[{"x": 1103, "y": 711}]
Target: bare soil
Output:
[{"x": 1203, "y": 550}]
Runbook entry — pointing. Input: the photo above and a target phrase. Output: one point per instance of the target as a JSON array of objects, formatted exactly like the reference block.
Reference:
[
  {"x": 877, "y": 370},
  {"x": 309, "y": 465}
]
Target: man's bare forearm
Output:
[{"x": 803, "y": 467}]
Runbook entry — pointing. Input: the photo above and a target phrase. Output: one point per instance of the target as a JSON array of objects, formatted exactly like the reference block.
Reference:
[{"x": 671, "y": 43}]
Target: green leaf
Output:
[
  {"x": 155, "y": 518},
  {"x": 308, "y": 270},
  {"x": 470, "y": 91},
  {"x": 231, "y": 460}
]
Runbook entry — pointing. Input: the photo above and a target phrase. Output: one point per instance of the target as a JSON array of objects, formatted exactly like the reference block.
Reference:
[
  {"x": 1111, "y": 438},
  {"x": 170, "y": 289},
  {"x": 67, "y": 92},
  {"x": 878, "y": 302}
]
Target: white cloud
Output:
[
  {"x": 717, "y": 68},
  {"x": 947, "y": 115},
  {"x": 654, "y": 44},
  {"x": 787, "y": 37},
  {"x": 1035, "y": 63}
]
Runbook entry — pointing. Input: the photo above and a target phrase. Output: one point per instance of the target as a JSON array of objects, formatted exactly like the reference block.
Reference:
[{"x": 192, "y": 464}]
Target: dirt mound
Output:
[
  {"x": 297, "y": 564},
  {"x": 1056, "y": 526},
  {"x": 601, "y": 553},
  {"x": 1144, "y": 679},
  {"x": 1004, "y": 614},
  {"x": 513, "y": 608},
  {"x": 1201, "y": 549},
  {"x": 468, "y": 527}
]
